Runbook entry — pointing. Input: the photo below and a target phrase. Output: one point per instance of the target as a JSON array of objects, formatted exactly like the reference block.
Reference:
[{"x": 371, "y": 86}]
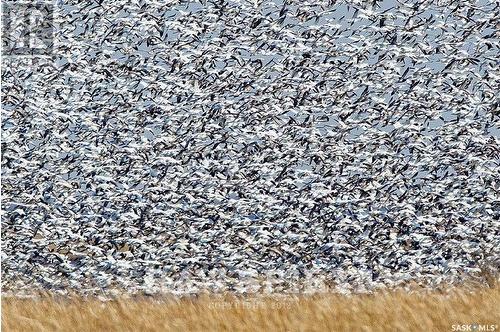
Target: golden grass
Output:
[{"x": 389, "y": 311}]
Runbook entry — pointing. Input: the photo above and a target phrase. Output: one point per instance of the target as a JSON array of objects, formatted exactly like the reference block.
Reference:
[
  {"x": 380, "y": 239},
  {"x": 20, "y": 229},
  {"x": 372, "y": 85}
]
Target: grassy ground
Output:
[{"x": 393, "y": 311}]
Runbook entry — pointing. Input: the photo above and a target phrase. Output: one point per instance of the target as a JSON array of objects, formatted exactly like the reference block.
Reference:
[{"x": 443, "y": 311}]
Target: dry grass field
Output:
[{"x": 389, "y": 311}]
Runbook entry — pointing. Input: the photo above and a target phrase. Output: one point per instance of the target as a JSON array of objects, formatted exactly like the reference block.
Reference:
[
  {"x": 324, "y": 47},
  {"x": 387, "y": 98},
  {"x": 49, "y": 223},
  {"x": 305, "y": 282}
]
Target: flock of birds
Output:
[{"x": 174, "y": 146}]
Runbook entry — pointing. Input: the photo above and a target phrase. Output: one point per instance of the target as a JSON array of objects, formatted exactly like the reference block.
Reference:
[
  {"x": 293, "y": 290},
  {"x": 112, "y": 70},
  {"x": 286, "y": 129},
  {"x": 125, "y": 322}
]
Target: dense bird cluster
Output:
[{"x": 245, "y": 145}]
